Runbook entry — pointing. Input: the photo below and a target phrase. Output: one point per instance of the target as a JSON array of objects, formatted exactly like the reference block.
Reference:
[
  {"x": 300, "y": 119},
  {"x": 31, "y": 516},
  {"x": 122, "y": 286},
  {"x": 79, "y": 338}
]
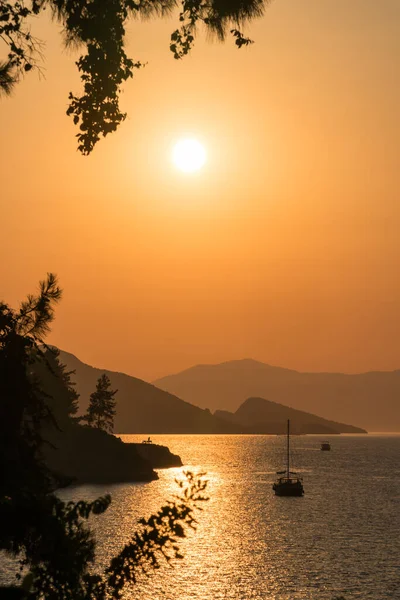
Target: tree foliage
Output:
[
  {"x": 23, "y": 414},
  {"x": 99, "y": 27},
  {"x": 65, "y": 569},
  {"x": 57, "y": 382},
  {"x": 52, "y": 536},
  {"x": 101, "y": 409}
]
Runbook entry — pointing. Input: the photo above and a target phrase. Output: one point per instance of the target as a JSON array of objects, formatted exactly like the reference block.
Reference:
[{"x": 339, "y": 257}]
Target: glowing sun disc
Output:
[{"x": 189, "y": 155}]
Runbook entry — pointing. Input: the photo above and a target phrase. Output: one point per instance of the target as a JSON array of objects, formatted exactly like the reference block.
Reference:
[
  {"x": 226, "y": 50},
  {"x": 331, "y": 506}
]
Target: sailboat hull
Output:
[{"x": 288, "y": 487}]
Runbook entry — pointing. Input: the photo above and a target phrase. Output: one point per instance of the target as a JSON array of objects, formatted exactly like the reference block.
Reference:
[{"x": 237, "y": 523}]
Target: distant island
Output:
[
  {"x": 370, "y": 400},
  {"x": 143, "y": 408},
  {"x": 257, "y": 415}
]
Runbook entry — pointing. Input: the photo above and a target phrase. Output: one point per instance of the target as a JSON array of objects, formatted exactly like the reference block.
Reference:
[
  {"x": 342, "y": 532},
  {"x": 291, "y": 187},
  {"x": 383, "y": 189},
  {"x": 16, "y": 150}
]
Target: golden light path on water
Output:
[{"x": 342, "y": 538}]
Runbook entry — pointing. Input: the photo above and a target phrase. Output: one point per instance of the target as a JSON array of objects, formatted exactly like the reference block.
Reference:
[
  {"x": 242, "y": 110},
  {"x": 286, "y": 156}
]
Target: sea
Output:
[{"x": 341, "y": 539}]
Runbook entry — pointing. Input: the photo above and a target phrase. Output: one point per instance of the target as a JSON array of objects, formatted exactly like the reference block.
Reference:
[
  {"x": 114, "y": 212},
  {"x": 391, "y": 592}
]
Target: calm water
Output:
[{"x": 342, "y": 538}]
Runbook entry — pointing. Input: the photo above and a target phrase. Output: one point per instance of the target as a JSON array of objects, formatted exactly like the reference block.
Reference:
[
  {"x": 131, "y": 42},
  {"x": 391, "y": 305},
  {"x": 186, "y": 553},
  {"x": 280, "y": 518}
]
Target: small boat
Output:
[
  {"x": 325, "y": 446},
  {"x": 289, "y": 483}
]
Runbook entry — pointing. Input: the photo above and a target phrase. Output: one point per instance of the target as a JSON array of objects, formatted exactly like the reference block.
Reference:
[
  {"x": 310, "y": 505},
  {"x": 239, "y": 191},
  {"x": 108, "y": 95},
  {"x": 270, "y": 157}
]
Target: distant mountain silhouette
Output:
[
  {"x": 372, "y": 400},
  {"x": 142, "y": 407},
  {"x": 257, "y": 415}
]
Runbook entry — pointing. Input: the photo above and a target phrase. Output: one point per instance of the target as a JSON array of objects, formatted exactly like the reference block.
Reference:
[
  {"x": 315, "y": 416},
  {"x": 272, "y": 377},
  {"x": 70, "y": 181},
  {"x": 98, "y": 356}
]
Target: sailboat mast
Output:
[{"x": 288, "y": 426}]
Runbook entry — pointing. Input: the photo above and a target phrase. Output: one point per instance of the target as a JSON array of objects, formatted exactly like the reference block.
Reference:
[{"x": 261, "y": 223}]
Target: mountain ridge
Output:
[
  {"x": 144, "y": 408},
  {"x": 141, "y": 406},
  {"x": 253, "y": 361},
  {"x": 369, "y": 399}
]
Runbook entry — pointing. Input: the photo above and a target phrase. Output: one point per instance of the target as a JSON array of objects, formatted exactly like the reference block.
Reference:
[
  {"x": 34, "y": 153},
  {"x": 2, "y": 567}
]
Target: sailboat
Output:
[
  {"x": 325, "y": 446},
  {"x": 289, "y": 483}
]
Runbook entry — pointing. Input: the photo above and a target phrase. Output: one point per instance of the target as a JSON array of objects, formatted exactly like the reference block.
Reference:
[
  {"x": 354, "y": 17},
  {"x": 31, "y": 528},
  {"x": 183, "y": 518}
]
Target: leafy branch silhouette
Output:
[{"x": 99, "y": 26}]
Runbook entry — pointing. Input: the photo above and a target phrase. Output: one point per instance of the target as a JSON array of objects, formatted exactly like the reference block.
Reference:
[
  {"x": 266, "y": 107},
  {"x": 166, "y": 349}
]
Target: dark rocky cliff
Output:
[
  {"x": 159, "y": 457},
  {"x": 86, "y": 455}
]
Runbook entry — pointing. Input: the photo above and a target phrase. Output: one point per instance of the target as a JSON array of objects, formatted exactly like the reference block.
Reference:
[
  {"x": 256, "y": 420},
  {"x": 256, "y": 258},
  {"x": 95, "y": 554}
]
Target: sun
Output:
[{"x": 189, "y": 155}]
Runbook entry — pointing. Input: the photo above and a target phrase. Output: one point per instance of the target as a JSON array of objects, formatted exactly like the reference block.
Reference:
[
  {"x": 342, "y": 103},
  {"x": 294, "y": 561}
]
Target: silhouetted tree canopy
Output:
[
  {"x": 56, "y": 382},
  {"x": 50, "y": 536},
  {"x": 101, "y": 409},
  {"x": 98, "y": 26}
]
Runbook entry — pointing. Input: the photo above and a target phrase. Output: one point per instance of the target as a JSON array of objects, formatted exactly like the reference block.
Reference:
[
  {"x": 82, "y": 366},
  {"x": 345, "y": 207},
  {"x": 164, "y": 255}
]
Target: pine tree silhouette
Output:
[{"x": 101, "y": 410}]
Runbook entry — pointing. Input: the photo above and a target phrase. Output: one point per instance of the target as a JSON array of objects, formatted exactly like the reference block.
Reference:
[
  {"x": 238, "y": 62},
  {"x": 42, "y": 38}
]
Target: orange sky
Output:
[{"x": 284, "y": 248}]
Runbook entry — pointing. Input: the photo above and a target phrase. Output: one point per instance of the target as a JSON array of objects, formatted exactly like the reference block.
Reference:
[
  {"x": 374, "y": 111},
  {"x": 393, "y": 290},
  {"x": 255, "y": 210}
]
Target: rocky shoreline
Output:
[
  {"x": 90, "y": 456},
  {"x": 159, "y": 457}
]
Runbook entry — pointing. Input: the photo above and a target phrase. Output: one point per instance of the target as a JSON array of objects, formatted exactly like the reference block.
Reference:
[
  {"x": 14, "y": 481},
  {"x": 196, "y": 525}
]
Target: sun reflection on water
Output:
[{"x": 340, "y": 539}]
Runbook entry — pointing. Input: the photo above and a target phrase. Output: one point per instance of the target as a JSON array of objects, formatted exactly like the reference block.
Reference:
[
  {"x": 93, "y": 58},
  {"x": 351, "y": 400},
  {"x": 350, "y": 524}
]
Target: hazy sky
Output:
[{"x": 284, "y": 248}]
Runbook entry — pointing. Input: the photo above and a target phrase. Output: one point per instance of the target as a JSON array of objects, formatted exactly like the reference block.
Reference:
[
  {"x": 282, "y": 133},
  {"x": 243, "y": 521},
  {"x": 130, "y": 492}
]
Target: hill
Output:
[
  {"x": 257, "y": 415},
  {"x": 87, "y": 455},
  {"x": 142, "y": 407},
  {"x": 82, "y": 454},
  {"x": 369, "y": 399}
]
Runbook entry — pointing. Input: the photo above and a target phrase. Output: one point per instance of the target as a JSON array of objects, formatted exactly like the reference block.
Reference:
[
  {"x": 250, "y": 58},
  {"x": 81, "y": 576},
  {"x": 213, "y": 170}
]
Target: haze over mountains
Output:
[
  {"x": 369, "y": 400},
  {"x": 143, "y": 408}
]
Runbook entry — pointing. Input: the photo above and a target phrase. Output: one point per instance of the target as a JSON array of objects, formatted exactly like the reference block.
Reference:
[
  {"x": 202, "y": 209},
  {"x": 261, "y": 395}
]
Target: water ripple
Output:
[{"x": 342, "y": 538}]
